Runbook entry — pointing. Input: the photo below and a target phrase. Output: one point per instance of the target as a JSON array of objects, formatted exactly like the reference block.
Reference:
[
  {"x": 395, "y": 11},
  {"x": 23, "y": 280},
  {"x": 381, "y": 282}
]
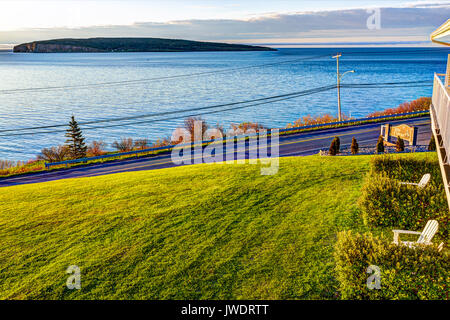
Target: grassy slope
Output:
[{"x": 199, "y": 232}]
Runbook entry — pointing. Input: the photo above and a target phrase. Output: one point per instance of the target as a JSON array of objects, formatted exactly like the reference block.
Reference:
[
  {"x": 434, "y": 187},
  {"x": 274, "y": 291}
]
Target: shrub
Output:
[
  {"x": 400, "y": 145},
  {"x": 380, "y": 145},
  {"x": 333, "y": 148},
  {"x": 407, "y": 168},
  {"x": 7, "y": 164},
  {"x": 432, "y": 144},
  {"x": 354, "y": 147},
  {"x": 141, "y": 144},
  {"x": 245, "y": 127},
  {"x": 189, "y": 125},
  {"x": 54, "y": 154},
  {"x": 406, "y": 273},
  {"x": 164, "y": 142},
  {"x": 96, "y": 148},
  {"x": 124, "y": 145},
  {"x": 420, "y": 104},
  {"x": 21, "y": 167},
  {"x": 385, "y": 202},
  {"x": 309, "y": 120},
  {"x": 338, "y": 144}
]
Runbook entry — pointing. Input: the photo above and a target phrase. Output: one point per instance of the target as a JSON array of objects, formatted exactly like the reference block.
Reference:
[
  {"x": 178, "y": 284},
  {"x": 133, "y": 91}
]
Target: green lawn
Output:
[{"x": 198, "y": 232}]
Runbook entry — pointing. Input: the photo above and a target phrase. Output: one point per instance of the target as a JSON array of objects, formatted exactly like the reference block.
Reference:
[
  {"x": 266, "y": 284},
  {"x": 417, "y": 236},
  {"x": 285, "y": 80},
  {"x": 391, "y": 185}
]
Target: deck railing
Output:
[{"x": 441, "y": 105}]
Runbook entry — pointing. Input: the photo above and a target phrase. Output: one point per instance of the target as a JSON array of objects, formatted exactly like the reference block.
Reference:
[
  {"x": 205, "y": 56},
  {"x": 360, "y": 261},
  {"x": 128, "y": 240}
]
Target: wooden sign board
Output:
[{"x": 403, "y": 131}]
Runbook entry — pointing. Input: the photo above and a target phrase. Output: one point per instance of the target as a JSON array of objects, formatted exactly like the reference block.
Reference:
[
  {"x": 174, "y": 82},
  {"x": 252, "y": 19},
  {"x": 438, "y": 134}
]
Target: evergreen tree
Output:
[
  {"x": 432, "y": 144},
  {"x": 400, "y": 145},
  {"x": 332, "y": 150},
  {"x": 75, "y": 141},
  {"x": 354, "y": 147},
  {"x": 380, "y": 145},
  {"x": 338, "y": 144}
]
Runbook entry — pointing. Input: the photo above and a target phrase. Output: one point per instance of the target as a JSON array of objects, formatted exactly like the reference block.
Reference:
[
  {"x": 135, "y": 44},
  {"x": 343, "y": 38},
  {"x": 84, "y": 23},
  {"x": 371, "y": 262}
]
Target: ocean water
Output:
[{"x": 80, "y": 90}]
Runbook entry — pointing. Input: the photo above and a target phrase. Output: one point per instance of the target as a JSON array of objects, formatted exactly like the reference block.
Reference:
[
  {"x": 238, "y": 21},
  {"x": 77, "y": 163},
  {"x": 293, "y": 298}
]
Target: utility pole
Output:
[{"x": 338, "y": 85}]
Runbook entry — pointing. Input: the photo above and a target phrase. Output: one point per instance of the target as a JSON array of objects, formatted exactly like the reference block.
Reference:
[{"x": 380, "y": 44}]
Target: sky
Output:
[{"x": 275, "y": 22}]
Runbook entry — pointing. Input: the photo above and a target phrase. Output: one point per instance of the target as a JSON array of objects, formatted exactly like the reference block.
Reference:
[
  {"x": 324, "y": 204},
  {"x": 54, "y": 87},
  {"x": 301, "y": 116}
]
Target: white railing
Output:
[{"x": 441, "y": 104}]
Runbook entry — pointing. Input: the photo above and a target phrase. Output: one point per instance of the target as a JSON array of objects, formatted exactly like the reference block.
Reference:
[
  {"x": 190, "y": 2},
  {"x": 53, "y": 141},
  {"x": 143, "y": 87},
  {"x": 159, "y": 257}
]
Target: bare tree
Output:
[
  {"x": 191, "y": 122},
  {"x": 54, "y": 154},
  {"x": 141, "y": 144},
  {"x": 124, "y": 145}
]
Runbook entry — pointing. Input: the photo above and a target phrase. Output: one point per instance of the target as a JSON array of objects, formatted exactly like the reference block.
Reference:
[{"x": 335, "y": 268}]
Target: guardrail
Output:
[
  {"x": 137, "y": 152},
  {"x": 441, "y": 104}
]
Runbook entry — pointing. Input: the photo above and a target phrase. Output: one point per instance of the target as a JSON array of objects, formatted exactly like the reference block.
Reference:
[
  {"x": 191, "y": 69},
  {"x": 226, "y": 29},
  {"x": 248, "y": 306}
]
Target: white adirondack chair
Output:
[
  {"x": 424, "y": 237},
  {"x": 422, "y": 183}
]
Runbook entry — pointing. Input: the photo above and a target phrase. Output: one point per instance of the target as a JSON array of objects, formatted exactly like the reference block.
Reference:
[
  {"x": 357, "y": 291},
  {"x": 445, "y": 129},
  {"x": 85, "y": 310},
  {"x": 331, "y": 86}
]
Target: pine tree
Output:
[
  {"x": 380, "y": 145},
  {"x": 432, "y": 144},
  {"x": 354, "y": 147},
  {"x": 400, "y": 145},
  {"x": 75, "y": 142}
]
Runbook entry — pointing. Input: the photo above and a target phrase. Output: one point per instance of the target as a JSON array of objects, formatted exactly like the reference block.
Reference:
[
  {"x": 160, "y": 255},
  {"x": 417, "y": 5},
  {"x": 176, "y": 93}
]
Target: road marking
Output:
[
  {"x": 194, "y": 158},
  {"x": 127, "y": 169}
]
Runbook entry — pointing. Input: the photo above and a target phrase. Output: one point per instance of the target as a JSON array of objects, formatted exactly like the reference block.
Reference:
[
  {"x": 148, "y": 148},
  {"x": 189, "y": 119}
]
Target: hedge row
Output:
[
  {"x": 405, "y": 273},
  {"x": 407, "y": 168},
  {"x": 387, "y": 203}
]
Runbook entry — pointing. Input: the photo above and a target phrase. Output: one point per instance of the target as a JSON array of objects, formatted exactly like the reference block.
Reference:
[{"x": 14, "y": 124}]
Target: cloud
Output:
[{"x": 410, "y": 23}]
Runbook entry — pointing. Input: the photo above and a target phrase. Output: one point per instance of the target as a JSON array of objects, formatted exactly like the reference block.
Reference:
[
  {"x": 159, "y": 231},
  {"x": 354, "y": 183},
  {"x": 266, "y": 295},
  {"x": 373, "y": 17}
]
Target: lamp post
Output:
[{"x": 339, "y": 77}]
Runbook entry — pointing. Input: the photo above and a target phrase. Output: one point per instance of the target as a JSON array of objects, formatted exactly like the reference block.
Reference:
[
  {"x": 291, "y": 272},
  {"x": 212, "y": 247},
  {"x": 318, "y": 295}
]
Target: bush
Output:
[
  {"x": 7, "y": 164},
  {"x": 421, "y": 104},
  {"x": 400, "y": 145},
  {"x": 245, "y": 127},
  {"x": 20, "y": 167},
  {"x": 407, "y": 168},
  {"x": 309, "y": 120},
  {"x": 385, "y": 202},
  {"x": 141, "y": 144},
  {"x": 54, "y": 154},
  {"x": 432, "y": 144},
  {"x": 406, "y": 273},
  {"x": 338, "y": 144},
  {"x": 164, "y": 142},
  {"x": 333, "y": 148},
  {"x": 124, "y": 145},
  {"x": 190, "y": 126},
  {"x": 96, "y": 148},
  {"x": 380, "y": 144},
  {"x": 354, "y": 147}
]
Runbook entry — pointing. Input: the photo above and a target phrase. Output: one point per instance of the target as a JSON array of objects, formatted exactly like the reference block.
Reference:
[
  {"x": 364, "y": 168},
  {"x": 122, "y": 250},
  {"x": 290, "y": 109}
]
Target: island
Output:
[{"x": 130, "y": 45}]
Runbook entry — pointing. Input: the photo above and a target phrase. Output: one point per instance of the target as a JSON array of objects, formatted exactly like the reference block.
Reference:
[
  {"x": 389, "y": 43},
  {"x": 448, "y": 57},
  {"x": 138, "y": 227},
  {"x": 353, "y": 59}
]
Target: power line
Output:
[
  {"x": 246, "y": 105},
  {"x": 156, "y": 114},
  {"x": 127, "y": 82},
  {"x": 304, "y": 93},
  {"x": 294, "y": 94}
]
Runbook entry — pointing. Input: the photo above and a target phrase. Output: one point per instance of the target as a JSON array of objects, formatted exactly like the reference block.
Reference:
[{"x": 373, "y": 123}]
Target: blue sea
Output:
[{"x": 69, "y": 84}]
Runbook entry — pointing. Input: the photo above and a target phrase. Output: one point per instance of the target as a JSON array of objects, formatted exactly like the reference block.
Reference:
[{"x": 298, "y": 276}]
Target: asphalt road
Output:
[{"x": 300, "y": 144}]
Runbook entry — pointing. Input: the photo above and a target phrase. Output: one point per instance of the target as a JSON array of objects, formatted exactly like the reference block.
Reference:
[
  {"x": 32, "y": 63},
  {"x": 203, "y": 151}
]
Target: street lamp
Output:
[{"x": 339, "y": 77}]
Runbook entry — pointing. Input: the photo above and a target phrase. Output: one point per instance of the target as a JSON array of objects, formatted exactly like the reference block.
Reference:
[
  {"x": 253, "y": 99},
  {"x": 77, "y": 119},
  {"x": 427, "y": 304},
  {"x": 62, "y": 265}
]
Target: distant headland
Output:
[{"x": 130, "y": 45}]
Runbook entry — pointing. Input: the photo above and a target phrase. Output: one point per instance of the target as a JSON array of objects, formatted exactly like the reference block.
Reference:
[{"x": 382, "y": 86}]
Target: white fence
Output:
[{"x": 441, "y": 104}]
